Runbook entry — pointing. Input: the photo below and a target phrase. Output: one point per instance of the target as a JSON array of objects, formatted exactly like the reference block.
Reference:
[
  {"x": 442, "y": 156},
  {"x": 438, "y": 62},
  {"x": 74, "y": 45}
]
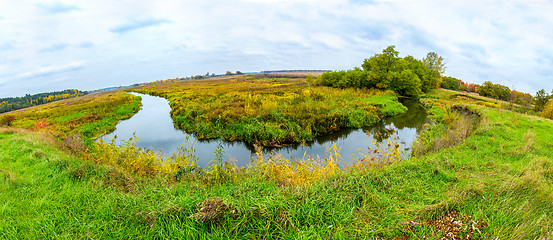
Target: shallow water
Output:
[{"x": 154, "y": 129}]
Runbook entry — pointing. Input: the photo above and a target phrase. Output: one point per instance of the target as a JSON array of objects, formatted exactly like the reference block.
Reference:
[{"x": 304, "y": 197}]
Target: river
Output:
[{"x": 154, "y": 129}]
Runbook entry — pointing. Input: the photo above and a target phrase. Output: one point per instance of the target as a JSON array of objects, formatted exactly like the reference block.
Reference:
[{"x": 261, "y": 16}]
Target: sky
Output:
[{"x": 55, "y": 45}]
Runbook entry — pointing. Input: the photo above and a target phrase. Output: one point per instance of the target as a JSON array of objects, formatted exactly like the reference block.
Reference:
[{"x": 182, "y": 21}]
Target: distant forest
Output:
[{"x": 14, "y": 103}]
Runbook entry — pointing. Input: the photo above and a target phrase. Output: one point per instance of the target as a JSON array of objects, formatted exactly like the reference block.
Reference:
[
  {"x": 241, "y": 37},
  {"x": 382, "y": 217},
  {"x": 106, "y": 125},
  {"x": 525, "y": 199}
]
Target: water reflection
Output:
[{"x": 154, "y": 129}]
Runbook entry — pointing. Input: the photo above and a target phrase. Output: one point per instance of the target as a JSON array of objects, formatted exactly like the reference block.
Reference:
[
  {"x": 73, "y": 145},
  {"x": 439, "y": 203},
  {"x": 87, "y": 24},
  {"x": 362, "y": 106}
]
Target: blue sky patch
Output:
[{"x": 138, "y": 24}]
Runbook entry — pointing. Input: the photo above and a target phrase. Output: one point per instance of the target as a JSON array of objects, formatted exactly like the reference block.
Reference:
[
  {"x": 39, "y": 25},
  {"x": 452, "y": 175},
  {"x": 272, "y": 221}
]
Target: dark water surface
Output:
[{"x": 154, "y": 128}]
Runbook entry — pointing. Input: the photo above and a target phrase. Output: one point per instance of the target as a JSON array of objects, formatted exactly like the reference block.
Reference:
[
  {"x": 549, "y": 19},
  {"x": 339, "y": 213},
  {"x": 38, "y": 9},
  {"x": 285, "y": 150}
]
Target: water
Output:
[{"x": 154, "y": 128}]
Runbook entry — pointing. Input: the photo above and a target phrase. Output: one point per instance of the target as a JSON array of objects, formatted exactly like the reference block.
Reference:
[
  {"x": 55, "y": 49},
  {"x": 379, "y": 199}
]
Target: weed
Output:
[
  {"x": 214, "y": 209},
  {"x": 10, "y": 177}
]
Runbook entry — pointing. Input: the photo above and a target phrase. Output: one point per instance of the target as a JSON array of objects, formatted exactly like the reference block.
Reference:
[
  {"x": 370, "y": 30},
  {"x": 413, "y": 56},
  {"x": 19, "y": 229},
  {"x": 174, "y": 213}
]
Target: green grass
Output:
[{"x": 501, "y": 174}]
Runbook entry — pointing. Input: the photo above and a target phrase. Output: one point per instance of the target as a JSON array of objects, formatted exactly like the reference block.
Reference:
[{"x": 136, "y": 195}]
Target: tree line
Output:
[
  {"x": 14, "y": 103},
  {"x": 542, "y": 101},
  {"x": 407, "y": 76},
  {"x": 489, "y": 89}
]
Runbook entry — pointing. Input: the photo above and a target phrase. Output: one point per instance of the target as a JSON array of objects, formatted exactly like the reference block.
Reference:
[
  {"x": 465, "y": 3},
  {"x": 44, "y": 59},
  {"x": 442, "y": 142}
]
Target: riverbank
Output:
[{"x": 494, "y": 184}]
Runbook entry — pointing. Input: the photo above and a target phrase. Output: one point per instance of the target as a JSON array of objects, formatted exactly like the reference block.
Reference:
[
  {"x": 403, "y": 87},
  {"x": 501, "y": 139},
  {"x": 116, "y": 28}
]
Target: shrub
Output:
[
  {"x": 548, "y": 110},
  {"x": 7, "y": 120}
]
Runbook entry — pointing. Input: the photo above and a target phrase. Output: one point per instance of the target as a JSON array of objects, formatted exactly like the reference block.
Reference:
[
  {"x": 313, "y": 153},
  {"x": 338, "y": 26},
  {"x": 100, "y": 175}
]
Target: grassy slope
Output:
[
  {"x": 90, "y": 115},
  {"x": 502, "y": 174}
]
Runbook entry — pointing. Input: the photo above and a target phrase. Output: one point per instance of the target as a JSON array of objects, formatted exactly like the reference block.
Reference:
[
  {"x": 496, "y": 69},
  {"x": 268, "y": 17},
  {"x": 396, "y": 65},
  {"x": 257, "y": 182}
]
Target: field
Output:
[
  {"x": 89, "y": 116},
  {"x": 481, "y": 172}
]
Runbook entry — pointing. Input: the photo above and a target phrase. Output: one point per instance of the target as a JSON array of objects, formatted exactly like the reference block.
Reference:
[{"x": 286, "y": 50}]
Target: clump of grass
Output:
[
  {"x": 213, "y": 209},
  {"x": 10, "y": 177},
  {"x": 452, "y": 225},
  {"x": 295, "y": 172}
]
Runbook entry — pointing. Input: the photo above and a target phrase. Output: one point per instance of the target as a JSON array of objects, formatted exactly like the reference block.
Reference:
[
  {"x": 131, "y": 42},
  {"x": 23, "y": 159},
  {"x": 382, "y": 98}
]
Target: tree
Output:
[
  {"x": 540, "y": 100},
  {"x": 436, "y": 65},
  {"x": 383, "y": 65},
  {"x": 450, "y": 83},
  {"x": 228, "y": 73},
  {"x": 310, "y": 79},
  {"x": 407, "y": 83}
]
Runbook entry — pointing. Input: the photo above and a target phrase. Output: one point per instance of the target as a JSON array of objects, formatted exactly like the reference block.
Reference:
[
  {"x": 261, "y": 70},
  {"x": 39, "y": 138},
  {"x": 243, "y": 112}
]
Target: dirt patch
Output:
[
  {"x": 453, "y": 225},
  {"x": 213, "y": 209}
]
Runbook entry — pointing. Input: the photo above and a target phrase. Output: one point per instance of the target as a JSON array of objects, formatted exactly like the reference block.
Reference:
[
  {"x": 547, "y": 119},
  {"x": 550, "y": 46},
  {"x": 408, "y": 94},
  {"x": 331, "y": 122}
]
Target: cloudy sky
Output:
[{"x": 55, "y": 45}]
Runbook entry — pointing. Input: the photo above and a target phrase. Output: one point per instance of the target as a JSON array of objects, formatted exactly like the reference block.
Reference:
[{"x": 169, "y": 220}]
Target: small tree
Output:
[
  {"x": 548, "y": 110},
  {"x": 310, "y": 79},
  {"x": 7, "y": 120}
]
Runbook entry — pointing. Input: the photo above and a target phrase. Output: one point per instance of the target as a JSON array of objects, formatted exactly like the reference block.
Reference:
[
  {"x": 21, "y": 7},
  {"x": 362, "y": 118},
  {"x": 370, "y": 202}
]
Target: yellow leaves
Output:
[
  {"x": 297, "y": 172},
  {"x": 306, "y": 93},
  {"x": 548, "y": 110}
]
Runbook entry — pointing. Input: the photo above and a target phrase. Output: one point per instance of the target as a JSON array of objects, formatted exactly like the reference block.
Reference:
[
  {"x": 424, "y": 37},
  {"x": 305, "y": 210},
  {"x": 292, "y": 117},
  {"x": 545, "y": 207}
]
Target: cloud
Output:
[
  {"x": 55, "y": 47},
  {"x": 86, "y": 45},
  {"x": 6, "y": 46},
  {"x": 57, "y": 7},
  {"x": 138, "y": 24},
  {"x": 51, "y": 70}
]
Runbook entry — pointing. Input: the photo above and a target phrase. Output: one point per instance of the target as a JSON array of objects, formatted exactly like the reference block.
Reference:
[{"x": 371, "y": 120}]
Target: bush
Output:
[
  {"x": 7, "y": 120},
  {"x": 548, "y": 110}
]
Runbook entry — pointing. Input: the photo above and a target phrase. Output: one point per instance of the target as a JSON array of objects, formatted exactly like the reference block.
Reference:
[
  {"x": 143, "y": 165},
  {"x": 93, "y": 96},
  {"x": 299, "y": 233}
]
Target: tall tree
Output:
[
  {"x": 434, "y": 63},
  {"x": 383, "y": 65}
]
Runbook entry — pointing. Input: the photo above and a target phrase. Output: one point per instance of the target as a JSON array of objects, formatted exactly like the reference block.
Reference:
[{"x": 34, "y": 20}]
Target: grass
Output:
[
  {"x": 494, "y": 183},
  {"x": 270, "y": 112}
]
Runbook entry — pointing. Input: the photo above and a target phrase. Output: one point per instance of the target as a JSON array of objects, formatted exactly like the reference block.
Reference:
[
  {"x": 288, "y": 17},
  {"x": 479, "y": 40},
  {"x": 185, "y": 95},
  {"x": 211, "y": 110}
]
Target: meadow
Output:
[
  {"x": 270, "y": 111},
  {"x": 480, "y": 172}
]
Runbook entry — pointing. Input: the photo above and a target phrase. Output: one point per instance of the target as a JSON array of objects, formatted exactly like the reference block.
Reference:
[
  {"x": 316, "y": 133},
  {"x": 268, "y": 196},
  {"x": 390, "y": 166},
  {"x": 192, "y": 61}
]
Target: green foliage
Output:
[
  {"x": 450, "y": 83},
  {"x": 497, "y": 91},
  {"x": 434, "y": 63},
  {"x": 406, "y": 76},
  {"x": 540, "y": 100},
  {"x": 310, "y": 79}
]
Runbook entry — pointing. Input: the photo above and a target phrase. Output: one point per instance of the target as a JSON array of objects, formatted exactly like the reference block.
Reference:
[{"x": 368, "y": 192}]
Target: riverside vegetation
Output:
[
  {"x": 270, "y": 112},
  {"x": 480, "y": 172}
]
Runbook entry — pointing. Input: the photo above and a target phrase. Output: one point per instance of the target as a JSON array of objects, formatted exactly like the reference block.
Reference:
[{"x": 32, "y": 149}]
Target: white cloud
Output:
[
  {"x": 51, "y": 70},
  {"x": 124, "y": 42}
]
